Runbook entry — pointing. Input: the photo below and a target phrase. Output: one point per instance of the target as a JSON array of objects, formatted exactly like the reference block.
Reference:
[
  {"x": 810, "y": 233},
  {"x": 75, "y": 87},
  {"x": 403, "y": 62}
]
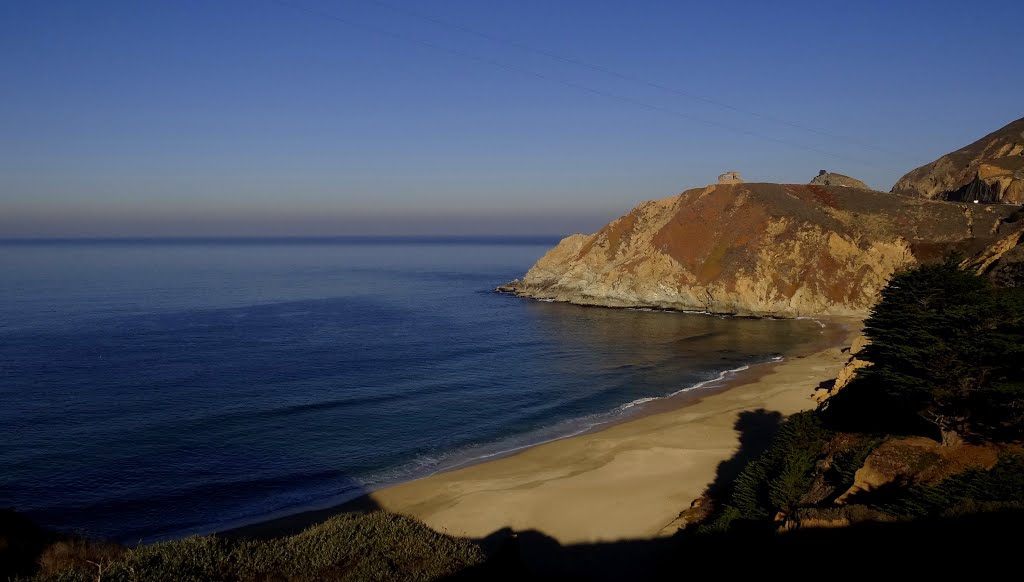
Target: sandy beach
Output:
[{"x": 627, "y": 481}]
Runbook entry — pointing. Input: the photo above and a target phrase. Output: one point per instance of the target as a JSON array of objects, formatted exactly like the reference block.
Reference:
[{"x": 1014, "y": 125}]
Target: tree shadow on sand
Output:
[{"x": 756, "y": 429}]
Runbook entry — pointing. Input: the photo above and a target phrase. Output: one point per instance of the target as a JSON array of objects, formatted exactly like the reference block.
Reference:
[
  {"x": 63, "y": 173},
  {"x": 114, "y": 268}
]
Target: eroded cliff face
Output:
[
  {"x": 990, "y": 170},
  {"x": 758, "y": 249},
  {"x": 1003, "y": 259}
]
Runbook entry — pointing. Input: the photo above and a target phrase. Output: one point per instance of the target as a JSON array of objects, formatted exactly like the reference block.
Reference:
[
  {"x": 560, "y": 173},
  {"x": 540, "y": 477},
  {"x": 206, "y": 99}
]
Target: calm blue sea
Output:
[{"x": 152, "y": 389}]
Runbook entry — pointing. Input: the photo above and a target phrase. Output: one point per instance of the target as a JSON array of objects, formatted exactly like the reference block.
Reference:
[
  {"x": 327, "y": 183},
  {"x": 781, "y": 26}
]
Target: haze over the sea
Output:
[{"x": 310, "y": 117}]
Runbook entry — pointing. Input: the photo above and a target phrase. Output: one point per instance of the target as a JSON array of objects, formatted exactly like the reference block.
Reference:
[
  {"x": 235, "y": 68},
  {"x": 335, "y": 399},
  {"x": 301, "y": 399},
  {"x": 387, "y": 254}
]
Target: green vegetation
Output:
[
  {"x": 804, "y": 457},
  {"x": 848, "y": 461},
  {"x": 974, "y": 491},
  {"x": 775, "y": 481},
  {"x": 374, "y": 546},
  {"x": 947, "y": 362},
  {"x": 1009, "y": 275},
  {"x": 946, "y": 347}
]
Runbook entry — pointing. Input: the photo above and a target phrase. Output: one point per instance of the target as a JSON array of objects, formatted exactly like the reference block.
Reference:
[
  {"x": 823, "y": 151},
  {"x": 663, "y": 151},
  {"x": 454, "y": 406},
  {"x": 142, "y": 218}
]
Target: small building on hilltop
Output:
[{"x": 730, "y": 177}]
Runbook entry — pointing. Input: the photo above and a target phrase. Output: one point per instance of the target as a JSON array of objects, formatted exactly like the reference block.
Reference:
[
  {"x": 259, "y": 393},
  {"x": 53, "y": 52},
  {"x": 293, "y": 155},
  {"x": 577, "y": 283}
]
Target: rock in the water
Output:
[
  {"x": 758, "y": 249},
  {"x": 826, "y": 178},
  {"x": 989, "y": 170}
]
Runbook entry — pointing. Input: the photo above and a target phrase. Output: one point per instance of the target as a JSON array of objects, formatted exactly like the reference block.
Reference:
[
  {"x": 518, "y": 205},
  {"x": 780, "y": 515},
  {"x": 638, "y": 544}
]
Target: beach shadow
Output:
[
  {"x": 859, "y": 550},
  {"x": 532, "y": 555},
  {"x": 984, "y": 547},
  {"x": 756, "y": 429}
]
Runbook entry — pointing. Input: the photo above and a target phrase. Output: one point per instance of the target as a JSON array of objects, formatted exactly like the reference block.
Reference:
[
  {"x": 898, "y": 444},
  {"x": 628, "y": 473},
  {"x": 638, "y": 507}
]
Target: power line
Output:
[
  {"x": 577, "y": 86},
  {"x": 620, "y": 75}
]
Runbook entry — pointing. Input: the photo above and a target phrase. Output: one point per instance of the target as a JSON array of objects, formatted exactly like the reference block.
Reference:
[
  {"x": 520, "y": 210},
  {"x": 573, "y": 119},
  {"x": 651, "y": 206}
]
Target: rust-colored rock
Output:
[
  {"x": 989, "y": 170},
  {"x": 784, "y": 250}
]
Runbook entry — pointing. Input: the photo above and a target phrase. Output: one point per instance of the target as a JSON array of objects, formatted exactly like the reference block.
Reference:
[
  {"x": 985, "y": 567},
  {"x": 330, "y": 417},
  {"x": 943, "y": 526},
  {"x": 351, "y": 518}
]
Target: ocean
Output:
[{"x": 156, "y": 389}]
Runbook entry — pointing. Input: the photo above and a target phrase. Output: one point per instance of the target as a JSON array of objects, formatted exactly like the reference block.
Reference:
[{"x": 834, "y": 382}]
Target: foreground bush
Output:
[
  {"x": 375, "y": 546},
  {"x": 975, "y": 491},
  {"x": 780, "y": 476}
]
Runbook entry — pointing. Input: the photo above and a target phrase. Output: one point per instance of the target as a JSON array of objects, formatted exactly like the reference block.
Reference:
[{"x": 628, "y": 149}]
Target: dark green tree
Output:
[{"x": 949, "y": 346}]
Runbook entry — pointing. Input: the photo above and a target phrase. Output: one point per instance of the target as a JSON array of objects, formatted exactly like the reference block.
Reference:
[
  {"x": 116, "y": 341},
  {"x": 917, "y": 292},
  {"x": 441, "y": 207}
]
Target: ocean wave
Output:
[
  {"x": 629, "y": 405},
  {"x": 814, "y": 319},
  {"x": 425, "y": 465}
]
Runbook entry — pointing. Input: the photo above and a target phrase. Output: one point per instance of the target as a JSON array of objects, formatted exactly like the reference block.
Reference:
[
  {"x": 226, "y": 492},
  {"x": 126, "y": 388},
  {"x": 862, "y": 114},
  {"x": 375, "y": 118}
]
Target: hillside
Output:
[
  {"x": 990, "y": 170},
  {"x": 758, "y": 249}
]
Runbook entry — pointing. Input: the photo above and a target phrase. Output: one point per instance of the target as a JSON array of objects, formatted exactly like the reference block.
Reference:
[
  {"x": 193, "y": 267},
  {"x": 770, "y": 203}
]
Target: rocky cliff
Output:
[
  {"x": 758, "y": 249},
  {"x": 989, "y": 170}
]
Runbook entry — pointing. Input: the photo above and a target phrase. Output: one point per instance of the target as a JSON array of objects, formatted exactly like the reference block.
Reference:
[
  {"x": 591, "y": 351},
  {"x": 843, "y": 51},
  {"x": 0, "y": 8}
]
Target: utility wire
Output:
[
  {"x": 585, "y": 88},
  {"x": 620, "y": 75}
]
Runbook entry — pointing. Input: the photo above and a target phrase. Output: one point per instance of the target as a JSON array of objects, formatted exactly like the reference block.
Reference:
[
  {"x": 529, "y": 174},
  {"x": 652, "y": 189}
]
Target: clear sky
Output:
[{"x": 317, "y": 117}]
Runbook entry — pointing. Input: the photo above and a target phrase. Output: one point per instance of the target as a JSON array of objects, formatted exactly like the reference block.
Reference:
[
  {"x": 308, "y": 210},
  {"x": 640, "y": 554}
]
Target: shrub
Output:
[
  {"x": 777, "y": 479},
  {"x": 846, "y": 463},
  {"x": 973, "y": 491},
  {"x": 376, "y": 546}
]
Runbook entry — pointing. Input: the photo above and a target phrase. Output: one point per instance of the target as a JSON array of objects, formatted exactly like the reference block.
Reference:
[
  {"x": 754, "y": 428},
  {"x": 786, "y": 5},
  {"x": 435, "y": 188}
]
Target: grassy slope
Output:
[{"x": 374, "y": 546}]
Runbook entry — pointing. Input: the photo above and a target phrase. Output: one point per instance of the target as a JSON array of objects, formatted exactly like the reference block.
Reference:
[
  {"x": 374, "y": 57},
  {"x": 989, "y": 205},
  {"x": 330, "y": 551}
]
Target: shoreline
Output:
[{"x": 547, "y": 486}]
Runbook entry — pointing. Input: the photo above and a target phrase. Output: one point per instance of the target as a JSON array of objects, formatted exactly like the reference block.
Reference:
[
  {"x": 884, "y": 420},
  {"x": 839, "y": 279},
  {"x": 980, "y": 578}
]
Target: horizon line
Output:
[{"x": 194, "y": 239}]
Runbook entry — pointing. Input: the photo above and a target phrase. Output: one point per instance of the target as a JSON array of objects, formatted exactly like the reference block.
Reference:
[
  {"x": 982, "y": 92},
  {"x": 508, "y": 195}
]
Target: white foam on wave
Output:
[
  {"x": 666, "y": 310},
  {"x": 815, "y": 320},
  {"x": 587, "y": 423},
  {"x": 721, "y": 376},
  {"x": 580, "y": 425},
  {"x": 637, "y": 401}
]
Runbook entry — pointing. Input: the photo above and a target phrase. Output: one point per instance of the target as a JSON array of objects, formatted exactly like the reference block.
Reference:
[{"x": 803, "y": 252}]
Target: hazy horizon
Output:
[
  {"x": 16, "y": 226},
  {"x": 319, "y": 118}
]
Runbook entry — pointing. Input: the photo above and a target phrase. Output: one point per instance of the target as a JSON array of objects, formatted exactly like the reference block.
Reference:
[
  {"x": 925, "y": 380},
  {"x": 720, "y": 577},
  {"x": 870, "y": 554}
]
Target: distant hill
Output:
[{"x": 989, "y": 170}]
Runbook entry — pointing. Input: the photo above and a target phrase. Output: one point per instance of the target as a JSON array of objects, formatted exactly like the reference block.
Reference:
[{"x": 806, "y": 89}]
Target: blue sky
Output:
[{"x": 316, "y": 117}]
